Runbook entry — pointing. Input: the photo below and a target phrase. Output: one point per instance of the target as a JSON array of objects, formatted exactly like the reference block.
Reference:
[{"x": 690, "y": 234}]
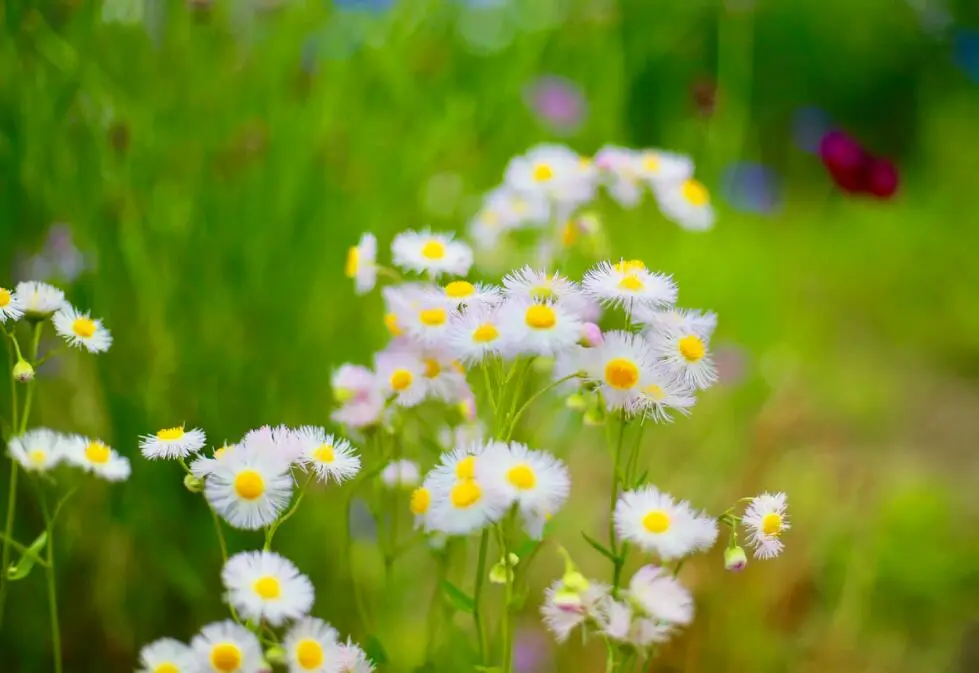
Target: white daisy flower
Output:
[
  {"x": 657, "y": 523},
  {"x": 361, "y": 265},
  {"x": 203, "y": 466},
  {"x": 172, "y": 443},
  {"x": 620, "y": 172},
  {"x": 686, "y": 203},
  {"x": 553, "y": 171},
  {"x": 662, "y": 393},
  {"x": 423, "y": 313},
  {"x": 351, "y": 659},
  {"x": 226, "y": 647},
  {"x": 309, "y": 644},
  {"x": 96, "y": 457},
  {"x": 427, "y": 252},
  {"x": 281, "y": 443},
  {"x": 684, "y": 354},
  {"x": 400, "y": 474},
  {"x": 564, "y": 609},
  {"x": 618, "y": 621},
  {"x": 167, "y": 655},
  {"x": 476, "y": 333},
  {"x": 624, "y": 284},
  {"x": 537, "y": 482},
  {"x": 464, "y": 293},
  {"x": 249, "y": 487},
  {"x": 509, "y": 209},
  {"x": 361, "y": 414},
  {"x": 331, "y": 457},
  {"x": 765, "y": 520},
  {"x": 360, "y": 396},
  {"x": 661, "y": 596},
  {"x": 38, "y": 450},
  {"x": 658, "y": 167},
  {"x": 444, "y": 377},
  {"x": 11, "y": 306},
  {"x": 622, "y": 365},
  {"x": 420, "y": 505},
  {"x": 401, "y": 374},
  {"x": 264, "y": 586},
  {"x": 39, "y": 300},
  {"x": 81, "y": 331},
  {"x": 534, "y": 285},
  {"x": 683, "y": 319},
  {"x": 460, "y": 502},
  {"x": 540, "y": 328}
]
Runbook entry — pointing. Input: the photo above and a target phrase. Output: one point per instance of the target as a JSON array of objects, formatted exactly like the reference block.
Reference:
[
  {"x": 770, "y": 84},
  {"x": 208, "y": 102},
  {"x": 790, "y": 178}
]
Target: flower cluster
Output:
[{"x": 854, "y": 169}]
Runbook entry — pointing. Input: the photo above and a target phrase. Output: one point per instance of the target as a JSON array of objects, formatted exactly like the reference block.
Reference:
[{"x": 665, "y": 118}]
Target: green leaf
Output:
[
  {"x": 488, "y": 669},
  {"x": 23, "y": 567},
  {"x": 457, "y": 597},
  {"x": 526, "y": 548},
  {"x": 642, "y": 479},
  {"x": 375, "y": 651},
  {"x": 599, "y": 547}
]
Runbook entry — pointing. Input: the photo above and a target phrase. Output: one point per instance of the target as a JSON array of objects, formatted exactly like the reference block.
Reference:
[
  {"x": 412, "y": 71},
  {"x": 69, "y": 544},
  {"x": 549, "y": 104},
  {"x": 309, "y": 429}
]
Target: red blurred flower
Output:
[
  {"x": 882, "y": 178},
  {"x": 854, "y": 169}
]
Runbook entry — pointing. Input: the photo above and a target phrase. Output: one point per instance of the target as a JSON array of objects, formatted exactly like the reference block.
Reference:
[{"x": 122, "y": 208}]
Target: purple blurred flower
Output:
[
  {"x": 732, "y": 364},
  {"x": 751, "y": 187},
  {"x": 531, "y": 651},
  {"x": 809, "y": 125},
  {"x": 58, "y": 260},
  {"x": 557, "y": 101}
]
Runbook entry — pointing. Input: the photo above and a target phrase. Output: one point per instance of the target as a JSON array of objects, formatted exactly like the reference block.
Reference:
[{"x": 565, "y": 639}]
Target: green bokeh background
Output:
[{"x": 217, "y": 180}]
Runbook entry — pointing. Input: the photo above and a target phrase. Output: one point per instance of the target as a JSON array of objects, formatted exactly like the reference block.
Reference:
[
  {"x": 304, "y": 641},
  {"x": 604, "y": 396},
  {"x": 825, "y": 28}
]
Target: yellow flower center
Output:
[
  {"x": 83, "y": 327},
  {"x": 569, "y": 234},
  {"x": 655, "y": 391},
  {"x": 692, "y": 348},
  {"x": 353, "y": 262},
  {"x": 465, "y": 494},
  {"x": 401, "y": 380},
  {"x": 267, "y": 587},
  {"x": 631, "y": 283},
  {"x": 656, "y": 521},
  {"x": 540, "y": 316},
  {"x": 391, "y": 322},
  {"x": 38, "y": 457},
  {"x": 432, "y": 368},
  {"x": 324, "y": 453},
  {"x": 466, "y": 468},
  {"x": 584, "y": 162},
  {"x": 490, "y": 218},
  {"x": 166, "y": 667},
  {"x": 621, "y": 373},
  {"x": 97, "y": 452},
  {"x": 542, "y": 172},
  {"x": 629, "y": 265},
  {"x": 4, "y": 297},
  {"x": 309, "y": 654},
  {"x": 485, "y": 332},
  {"x": 522, "y": 477},
  {"x": 421, "y": 498},
  {"x": 220, "y": 452},
  {"x": 771, "y": 524},
  {"x": 225, "y": 657},
  {"x": 542, "y": 292},
  {"x": 433, "y": 317},
  {"x": 650, "y": 162},
  {"x": 249, "y": 485},
  {"x": 695, "y": 193},
  {"x": 433, "y": 249},
  {"x": 460, "y": 289},
  {"x": 171, "y": 434}
]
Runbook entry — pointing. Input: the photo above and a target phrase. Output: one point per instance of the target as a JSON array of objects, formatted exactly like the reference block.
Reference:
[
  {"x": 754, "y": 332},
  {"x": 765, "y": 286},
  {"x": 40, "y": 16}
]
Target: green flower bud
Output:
[
  {"x": 276, "y": 656},
  {"x": 594, "y": 417},
  {"x": 576, "y": 402},
  {"x": 343, "y": 395},
  {"x": 193, "y": 484},
  {"x": 735, "y": 559},
  {"x": 23, "y": 371}
]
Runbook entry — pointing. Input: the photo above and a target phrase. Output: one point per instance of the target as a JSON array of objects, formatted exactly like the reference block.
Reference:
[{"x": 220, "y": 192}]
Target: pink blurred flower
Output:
[
  {"x": 557, "y": 101},
  {"x": 846, "y": 161},
  {"x": 591, "y": 334},
  {"x": 882, "y": 178}
]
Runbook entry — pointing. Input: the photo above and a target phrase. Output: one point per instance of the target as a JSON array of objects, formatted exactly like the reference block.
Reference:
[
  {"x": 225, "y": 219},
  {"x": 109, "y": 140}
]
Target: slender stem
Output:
[
  {"x": 392, "y": 547},
  {"x": 51, "y": 577},
  {"x": 220, "y": 533},
  {"x": 478, "y": 595},
  {"x": 532, "y": 398},
  {"x": 613, "y": 499},
  {"x": 509, "y": 575},
  {"x": 270, "y": 531},
  {"x": 434, "y": 605},
  {"x": 17, "y": 545},
  {"x": 489, "y": 386}
]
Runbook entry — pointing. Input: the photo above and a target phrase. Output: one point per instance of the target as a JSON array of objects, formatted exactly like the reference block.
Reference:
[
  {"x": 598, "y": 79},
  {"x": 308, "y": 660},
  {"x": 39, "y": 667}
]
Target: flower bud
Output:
[
  {"x": 500, "y": 574},
  {"x": 276, "y": 656},
  {"x": 193, "y": 484},
  {"x": 735, "y": 559},
  {"x": 23, "y": 371},
  {"x": 343, "y": 395},
  {"x": 594, "y": 417},
  {"x": 591, "y": 335},
  {"x": 577, "y": 402}
]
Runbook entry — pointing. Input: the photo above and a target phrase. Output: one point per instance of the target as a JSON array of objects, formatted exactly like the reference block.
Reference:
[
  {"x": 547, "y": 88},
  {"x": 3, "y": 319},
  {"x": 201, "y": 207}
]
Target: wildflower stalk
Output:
[
  {"x": 478, "y": 595},
  {"x": 509, "y": 576},
  {"x": 613, "y": 499},
  {"x": 522, "y": 409},
  {"x": 270, "y": 531}
]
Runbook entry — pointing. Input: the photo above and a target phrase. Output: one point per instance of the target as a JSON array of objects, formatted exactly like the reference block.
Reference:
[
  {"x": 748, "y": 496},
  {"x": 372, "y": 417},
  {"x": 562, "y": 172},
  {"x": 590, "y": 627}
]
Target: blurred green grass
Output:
[{"x": 218, "y": 185}]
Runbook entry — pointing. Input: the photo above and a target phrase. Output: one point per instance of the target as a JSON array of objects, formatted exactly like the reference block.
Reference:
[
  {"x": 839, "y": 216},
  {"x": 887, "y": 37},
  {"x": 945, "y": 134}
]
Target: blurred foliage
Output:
[{"x": 216, "y": 161}]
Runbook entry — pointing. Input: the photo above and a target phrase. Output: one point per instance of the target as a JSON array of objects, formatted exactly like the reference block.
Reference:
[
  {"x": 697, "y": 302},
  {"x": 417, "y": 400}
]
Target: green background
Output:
[{"x": 216, "y": 180}]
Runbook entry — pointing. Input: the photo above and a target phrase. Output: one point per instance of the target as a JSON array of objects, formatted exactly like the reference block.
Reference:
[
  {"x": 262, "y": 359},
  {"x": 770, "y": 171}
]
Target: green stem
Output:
[
  {"x": 489, "y": 386},
  {"x": 270, "y": 531},
  {"x": 613, "y": 499},
  {"x": 531, "y": 399},
  {"x": 478, "y": 595},
  {"x": 509, "y": 574},
  {"x": 51, "y": 577},
  {"x": 434, "y": 606},
  {"x": 220, "y": 533}
]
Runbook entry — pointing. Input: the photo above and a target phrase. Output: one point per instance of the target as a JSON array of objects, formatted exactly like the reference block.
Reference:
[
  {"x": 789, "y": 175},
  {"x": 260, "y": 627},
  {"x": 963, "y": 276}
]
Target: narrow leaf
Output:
[
  {"x": 23, "y": 567},
  {"x": 599, "y": 547},
  {"x": 642, "y": 478},
  {"x": 525, "y": 549},
  {"x": 375, "y": 651},
  {"x": 457, "y": 597}
]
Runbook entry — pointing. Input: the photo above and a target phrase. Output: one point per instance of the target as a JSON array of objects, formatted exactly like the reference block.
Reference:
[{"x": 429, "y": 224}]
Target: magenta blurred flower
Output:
[
  {"x": 557, "y": 101},
  {"x": 845, "y": 160},
  {"x": 531, "y": 651},
  {"x": 882, "y": 178}
]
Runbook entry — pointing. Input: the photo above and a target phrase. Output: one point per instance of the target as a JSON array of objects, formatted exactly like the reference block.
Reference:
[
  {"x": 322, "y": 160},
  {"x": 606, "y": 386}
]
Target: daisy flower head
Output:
[
  {"x": 204, "y": 465},
  {"x": 553, "y": 171},
  {"x": 401, "y": 474},
  {"x": 264, "y": 586},
  {"x": 629, "y": 283},
  {"x": 444, "y": 377},
  {"x": 351, "y": 383},
  {"x": 431, "y": 253},
  {"x": 661, "y": 393},
  {"x": 175, "y": 442},
  {"x": 351, "y": 659},
  {"x": 281, "y": 443},
  {"x": 657, "y": 523},
  {"x": 518, "y": 209},
  {"x": 11, "y": 306},
  {"x": 661, "y": 596},
  {"x": 620, "y": 173},
  {"x": 227, "y": 647},
  {"x": 423, "y": 313},
  {"x": 249, "y": 487},
  {"x": 461, "y": 502},
  {"x": 540, "y": 327},
  {"x": 167, "y": 655},
  {"x": 330, "y": 457},
  {"x": 658, "y": 167},
  {"x": 361, "y": 265},
  {"x": 687, "y": 203},
  {"x": 97, "y": 457},
  {"x": 685, "y": 354},
  {"x": 81, "y": 331},
  {"x": 564, "y": 609},
  {"x": 402, "y": 375},
  {"x": 463, "y": 293},
  {"x": 687, "y": 320},
  {"x": 535, "y": 481},
  {"x": 420, "y": 504},
  {"x": 622, "y": 365},
  {"x": 765, "y": 520},
  {"x": 539, "y": 285},
  {"x": 620, "y": 622},
  {"x": 39, "y": 300},
  {"x": 359, "y": 394},
  {"x": 476, "y": 333},
  {"x": 38, "y": 450},
  {"x": 310, "y": 646}
]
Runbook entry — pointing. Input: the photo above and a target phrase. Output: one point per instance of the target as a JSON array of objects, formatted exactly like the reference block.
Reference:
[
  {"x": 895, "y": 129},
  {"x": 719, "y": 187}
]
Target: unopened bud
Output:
[
  {"x": 735, "y": 559},
  {"x": 343, "y": 395},
  {"x": 193, "y": 484},
  {"x": 500, "y": 574},
  {"x": 276, "y": 656},
  {"x": 577, "y": 402},
  {"x": 575, "y": 581},
  {"x": 591, "y": 335},
  {"x": 594, "y": 417},
  {"x": 23, "y": 371}
]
